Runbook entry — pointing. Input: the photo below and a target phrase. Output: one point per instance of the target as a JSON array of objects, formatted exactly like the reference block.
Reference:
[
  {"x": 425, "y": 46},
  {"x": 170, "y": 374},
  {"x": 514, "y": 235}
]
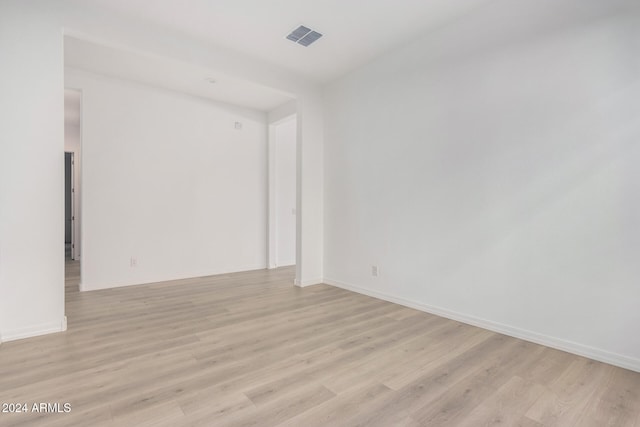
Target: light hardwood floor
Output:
[{"x": 249, "y": 349}]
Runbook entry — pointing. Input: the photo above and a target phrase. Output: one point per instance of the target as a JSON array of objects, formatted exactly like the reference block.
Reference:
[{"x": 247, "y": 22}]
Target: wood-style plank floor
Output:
[{"x": 250, "y": 349}]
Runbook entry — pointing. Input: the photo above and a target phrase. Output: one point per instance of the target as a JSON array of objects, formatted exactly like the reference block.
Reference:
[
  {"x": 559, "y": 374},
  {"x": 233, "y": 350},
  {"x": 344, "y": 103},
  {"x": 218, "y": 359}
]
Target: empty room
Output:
[{"x": 320, "y": 213}]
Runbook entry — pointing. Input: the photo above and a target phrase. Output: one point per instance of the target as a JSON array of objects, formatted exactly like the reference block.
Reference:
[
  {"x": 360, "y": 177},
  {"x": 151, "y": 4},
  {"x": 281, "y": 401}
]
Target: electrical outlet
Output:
[
  {"x": 134, "y": 261},
  {"x": 374, "y": 270}
]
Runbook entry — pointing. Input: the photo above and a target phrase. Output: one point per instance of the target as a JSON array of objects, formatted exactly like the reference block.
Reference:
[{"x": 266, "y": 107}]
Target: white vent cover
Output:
[{"x": 304, "y": 36}]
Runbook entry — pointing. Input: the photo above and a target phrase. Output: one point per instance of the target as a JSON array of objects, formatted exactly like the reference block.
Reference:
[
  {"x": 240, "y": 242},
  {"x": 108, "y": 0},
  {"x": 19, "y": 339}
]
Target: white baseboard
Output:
[
  {"x": 34, "y": 331},
  {"x": 274, "y": 266},
  {"x": 600, "y": 355},
  {"x": 308, "y": 282}
]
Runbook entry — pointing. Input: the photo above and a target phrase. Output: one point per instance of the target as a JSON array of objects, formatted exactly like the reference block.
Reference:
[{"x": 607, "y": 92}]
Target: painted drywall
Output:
[
  {"x": 169, "y": 180},
  {"x": 285, "y": 191},
  {"x": 309, "y": 190},
  {"x": 282, "y": 112},
  {"x": 275, "y": 117},
  {"x": 32, "y": 211},
  {"x": 81, "y": 21},
  {"x": 489, "y": 170},
  {"x": 31, "y": 173},
  {"x": 72, "y": 138},
  {"x": 115, "y": 30}
]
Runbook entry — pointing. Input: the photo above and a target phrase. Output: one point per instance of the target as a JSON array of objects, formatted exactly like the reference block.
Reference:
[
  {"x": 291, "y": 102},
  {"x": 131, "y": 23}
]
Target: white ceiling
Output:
[
  {"x": 355, "y": 31},
  {"x": 170, "y": 74}
]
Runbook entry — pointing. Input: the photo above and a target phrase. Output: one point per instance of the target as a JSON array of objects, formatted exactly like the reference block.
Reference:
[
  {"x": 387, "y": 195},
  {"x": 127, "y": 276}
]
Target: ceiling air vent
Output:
[{"x": 304, "y": 36}]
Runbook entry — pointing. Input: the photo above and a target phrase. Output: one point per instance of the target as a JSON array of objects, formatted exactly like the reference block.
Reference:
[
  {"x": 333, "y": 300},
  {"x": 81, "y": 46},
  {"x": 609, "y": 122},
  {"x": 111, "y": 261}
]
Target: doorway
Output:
[
  {"x": 282, "y": 192},
  {"x": 72, "y": 167}
]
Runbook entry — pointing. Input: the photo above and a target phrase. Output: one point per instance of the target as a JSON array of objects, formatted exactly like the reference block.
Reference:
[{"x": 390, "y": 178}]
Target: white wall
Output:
[
  {"x": 31, "y": 173},
  {"x": 285, "y": 135},
  {"x": 170, "y": 181},
  {"x": 32, "y": 93},
  {"x": 309, "y": 189},
  {"x": 115, "y": 30},
  {"x": 490, "y": 171},
  {"x": 72, "y": 138}
]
